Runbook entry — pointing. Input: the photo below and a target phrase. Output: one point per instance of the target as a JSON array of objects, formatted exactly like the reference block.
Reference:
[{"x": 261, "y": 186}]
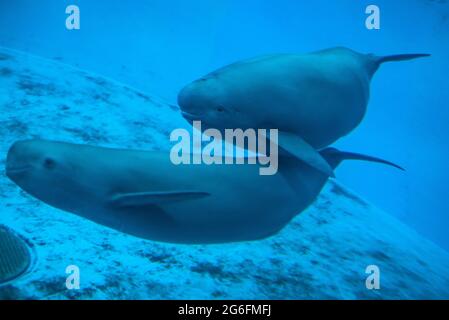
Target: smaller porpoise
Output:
[
  {"x": 312, "y": 99},
  {"x": 143, "y": 194}
]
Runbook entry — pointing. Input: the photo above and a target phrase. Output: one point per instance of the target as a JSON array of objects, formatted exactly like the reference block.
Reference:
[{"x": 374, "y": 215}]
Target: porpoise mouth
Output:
[
  {"x": 190, "y": 116},
  {"x": 17, "y": 169}
]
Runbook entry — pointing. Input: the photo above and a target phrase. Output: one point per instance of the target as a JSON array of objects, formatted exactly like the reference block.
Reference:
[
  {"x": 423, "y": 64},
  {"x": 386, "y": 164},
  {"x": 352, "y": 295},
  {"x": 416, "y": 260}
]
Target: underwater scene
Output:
[{"x": 255, "y": 149}]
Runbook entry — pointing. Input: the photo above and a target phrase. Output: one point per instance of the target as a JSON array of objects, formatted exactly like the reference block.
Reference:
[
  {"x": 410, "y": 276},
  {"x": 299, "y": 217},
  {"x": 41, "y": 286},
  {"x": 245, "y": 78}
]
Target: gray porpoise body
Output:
[
  {"x": 320, "y": 97},
  {"x": 143, "y": 194},
  {"x": 85, "y": 180}
]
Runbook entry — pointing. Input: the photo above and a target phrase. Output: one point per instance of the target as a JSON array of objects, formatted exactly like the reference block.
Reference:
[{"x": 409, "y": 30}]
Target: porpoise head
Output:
[
  {"x": 80, "y": 179},
  {"x": 48, "y": 171},
  {"x": 206, "y": 100}
]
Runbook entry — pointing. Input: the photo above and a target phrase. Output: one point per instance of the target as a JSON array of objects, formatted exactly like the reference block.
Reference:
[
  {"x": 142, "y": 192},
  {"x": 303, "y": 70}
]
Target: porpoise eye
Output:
[
  {"x": 220, "y": 109},
  {"x": 49, "y": 163}
]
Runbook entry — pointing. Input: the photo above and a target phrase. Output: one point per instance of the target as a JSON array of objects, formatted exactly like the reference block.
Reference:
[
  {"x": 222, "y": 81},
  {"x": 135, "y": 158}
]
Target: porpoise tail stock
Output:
[
  {"x": 379, "y": 60},
  {"x": 402, "y": 57},
  {"x": 334, "y": 157}
]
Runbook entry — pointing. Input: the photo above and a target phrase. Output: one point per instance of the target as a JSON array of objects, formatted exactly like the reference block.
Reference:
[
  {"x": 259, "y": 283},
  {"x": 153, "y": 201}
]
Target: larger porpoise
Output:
[
  {"x": 143, "y": 194},
  {"x": 313, "y": 99}
]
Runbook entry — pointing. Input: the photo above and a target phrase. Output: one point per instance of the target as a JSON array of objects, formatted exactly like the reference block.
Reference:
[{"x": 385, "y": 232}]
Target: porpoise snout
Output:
[
  {"x": 189, "y": 101},
  {"x": 18, "y": 159},
  {"x": 185, "y": 97}
]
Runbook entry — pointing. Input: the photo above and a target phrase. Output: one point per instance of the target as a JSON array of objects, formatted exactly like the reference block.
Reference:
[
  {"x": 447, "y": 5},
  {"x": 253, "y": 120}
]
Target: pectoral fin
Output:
[
  {"x": 299, "y": 148},
  {"x": 154, "y": 198}
]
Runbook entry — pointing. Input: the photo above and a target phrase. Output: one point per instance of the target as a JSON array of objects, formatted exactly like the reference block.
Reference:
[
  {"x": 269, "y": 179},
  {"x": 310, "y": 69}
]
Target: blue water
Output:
[{"x": 158, "y": 46}]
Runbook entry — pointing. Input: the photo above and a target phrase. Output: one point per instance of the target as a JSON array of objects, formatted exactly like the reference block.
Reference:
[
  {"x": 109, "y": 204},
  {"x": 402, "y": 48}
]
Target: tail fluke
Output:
[
  {"x": 334, "y": 157},
  {"x": 401, "y": 57}
]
